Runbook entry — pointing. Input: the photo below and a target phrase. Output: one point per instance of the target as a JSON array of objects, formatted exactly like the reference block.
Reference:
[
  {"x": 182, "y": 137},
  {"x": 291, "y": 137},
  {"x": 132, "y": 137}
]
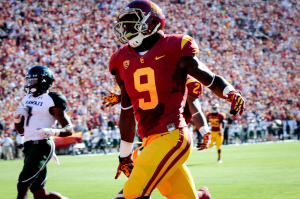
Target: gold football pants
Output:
[
  {"x": 161, "y": 164},
  {"x": 217, "y": 139}
]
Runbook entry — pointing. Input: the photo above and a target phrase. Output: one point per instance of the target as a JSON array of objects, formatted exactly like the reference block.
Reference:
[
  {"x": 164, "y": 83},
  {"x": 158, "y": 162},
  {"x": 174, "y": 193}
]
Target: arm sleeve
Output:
[
  {"x": 59, "y": 100},
  {"x": 111, "y": 65},
  {"x": 188, "y": 46},
  {"x": 194, "y": 87}
]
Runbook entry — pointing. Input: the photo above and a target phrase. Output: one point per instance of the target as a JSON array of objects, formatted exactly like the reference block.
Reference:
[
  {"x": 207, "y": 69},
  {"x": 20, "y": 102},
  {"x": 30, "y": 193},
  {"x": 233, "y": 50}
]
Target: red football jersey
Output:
[
  {"x": 216, "y": 120},
  {"x": 155, "y": 83},
  {"x": 194, "y": 88}
]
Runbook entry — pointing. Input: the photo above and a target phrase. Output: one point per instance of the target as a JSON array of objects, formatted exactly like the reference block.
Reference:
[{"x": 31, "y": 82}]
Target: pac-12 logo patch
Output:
[{"x": 126, "y": 64}]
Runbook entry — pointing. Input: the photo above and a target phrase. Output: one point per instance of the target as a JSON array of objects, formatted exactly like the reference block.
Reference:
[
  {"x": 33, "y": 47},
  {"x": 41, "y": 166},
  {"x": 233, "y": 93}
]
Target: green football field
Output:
[{"x": 255, "y": 171}]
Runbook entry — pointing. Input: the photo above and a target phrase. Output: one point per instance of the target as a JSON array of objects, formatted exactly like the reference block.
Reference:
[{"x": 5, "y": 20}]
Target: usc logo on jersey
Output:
[{"x": 126, "y": 64}]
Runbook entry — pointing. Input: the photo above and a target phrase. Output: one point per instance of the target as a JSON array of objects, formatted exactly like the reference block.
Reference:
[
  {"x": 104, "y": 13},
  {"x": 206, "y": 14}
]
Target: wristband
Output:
[
  {"x": 17, "y": 120},
  {"x": 204, "y": 130},
  {"x": 125, "y": 148},
  {"x": 228, "y": 89},
  {"x": 195, "y": 114},
  {"x": 126, "y": 108}
]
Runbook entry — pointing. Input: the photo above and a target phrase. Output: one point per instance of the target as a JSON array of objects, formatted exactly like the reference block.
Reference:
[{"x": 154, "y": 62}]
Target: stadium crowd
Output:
[{"x": 255, "y": 44}]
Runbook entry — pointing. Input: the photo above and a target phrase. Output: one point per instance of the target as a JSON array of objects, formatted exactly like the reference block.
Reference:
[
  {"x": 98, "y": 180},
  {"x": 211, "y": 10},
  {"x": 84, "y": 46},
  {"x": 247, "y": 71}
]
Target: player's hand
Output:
[
  {"x": 21, "y": 110},
  {"x": 47, "y": 132},
  {"x": 237, "y": 102},
  {"x": 111, "y": 100},
  {"x": 206, "y": 142},
  {"x": 125, "y": 166}
]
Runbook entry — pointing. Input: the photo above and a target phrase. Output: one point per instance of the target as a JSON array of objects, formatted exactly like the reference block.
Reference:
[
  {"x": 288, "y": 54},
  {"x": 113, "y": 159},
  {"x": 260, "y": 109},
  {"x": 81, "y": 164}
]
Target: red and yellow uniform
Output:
[
  {"x": 194, "y": 88},
  {"x": 156, "y": 87},
  {"x": 215, "y": 121}
]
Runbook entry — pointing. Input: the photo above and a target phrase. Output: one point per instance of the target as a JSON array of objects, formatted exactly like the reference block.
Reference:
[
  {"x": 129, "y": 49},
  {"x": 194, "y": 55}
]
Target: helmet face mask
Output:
[
  {"x": 144, "y": 19},
  {"x": 215, "y": 108},
  {"x": 122, "y": 32},
  {"x": 39, "y": 80}
]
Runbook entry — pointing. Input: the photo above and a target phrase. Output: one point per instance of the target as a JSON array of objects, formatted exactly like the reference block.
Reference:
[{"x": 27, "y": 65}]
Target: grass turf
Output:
[{"x": 259, "y": 171}]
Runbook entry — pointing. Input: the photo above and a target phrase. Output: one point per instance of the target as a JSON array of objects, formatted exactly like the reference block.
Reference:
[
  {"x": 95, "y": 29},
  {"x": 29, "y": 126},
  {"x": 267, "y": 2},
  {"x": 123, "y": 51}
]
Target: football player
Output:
[
  {"x": 192, "y": 111},
  {"x": 151, "y": 71},
  {"x": 34, "y": 120},
  {"x": 236, "y": 129},
  {"x": 217, "y": 123}
]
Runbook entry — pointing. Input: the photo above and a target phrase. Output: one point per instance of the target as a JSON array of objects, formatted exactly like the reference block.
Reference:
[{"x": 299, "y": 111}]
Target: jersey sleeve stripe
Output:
[
  {"x": 191, "y": 80},
  {"x": 184, "y": 40}
]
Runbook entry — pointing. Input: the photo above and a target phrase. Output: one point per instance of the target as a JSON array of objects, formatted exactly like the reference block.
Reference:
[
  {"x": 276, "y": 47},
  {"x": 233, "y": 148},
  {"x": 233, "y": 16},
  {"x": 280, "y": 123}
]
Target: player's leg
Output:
[
  {"x": 219, "y": 141},
  {"x": 38, "y": 190},
  {"x": 213, "y": 139},
  {"x": 180, "y": 185},
  {"x": 38, "y": 154},
  {"x": 22, "y": 190},
  {"x": 44, "y": 194},
  {"x": 160, "y": 158}
]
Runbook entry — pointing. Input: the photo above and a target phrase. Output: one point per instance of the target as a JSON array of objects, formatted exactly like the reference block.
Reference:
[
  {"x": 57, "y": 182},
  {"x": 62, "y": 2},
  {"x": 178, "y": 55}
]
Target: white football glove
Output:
[
  {"x": 47, "y": 132},
  {"x": 21, "y": 110}
]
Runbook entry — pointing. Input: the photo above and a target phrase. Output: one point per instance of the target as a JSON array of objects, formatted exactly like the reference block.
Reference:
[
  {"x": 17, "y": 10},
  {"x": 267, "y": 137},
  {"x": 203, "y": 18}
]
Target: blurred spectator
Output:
[
  {"x": 73, "y": 149},
  {"x": 7, "y": 146},
  {"x": 103, "y": 139},
  {"x": 19, "y": 149},
  {"x": 0, "y": 147},
  {"x": 116, "y": 138},
  {"x": 1, "y": 128},
  {"x": 86, "y": 136}
]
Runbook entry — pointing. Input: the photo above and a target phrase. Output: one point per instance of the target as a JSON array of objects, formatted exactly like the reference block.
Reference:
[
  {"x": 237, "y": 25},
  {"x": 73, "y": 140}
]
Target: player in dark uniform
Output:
[
  {"x": 151, "y": 72},
  {"x": 34, "y": 120}
]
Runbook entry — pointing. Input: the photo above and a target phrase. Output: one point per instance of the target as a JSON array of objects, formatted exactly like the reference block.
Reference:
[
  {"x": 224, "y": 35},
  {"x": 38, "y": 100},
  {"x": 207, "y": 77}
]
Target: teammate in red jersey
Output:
[
  {"x": 193, "y": 111},
  {"x": 151, "y": 72},
  {"x": 216, "y": 120}
]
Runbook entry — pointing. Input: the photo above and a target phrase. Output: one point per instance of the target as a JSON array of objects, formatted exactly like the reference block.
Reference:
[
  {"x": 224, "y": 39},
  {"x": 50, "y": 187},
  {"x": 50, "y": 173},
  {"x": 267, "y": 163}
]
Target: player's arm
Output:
[
  {"x": 127, "y": 126},
  {"x": 19, "y": 118},
  {"x": 215, "y": 83},
  {"x": 223, "y": 122},
  {"x": 20, "y": 126},
  {"x": 127, "y": 123},
  {"x": 197, "y": 115},
  {"x": 199, "y": 121},
  {"x": 64, "y": 120}
]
